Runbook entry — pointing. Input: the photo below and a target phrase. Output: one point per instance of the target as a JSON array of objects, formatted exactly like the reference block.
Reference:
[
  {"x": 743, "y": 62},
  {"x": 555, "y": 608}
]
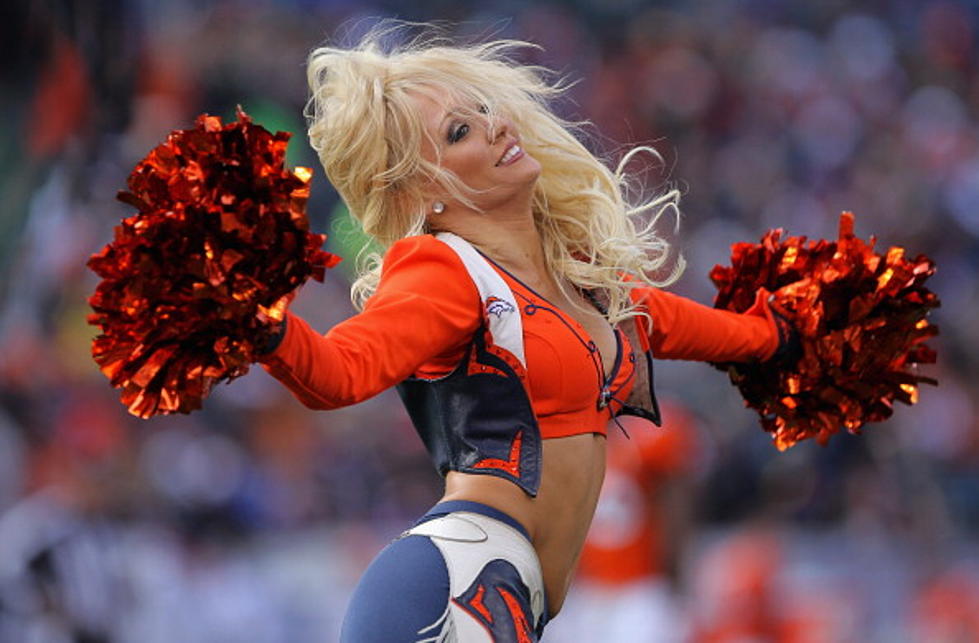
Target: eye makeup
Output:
[{"x": 457, "y": 131}]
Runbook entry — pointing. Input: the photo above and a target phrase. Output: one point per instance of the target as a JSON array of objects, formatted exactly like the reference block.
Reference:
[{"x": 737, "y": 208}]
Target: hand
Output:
[
  {"x": 789, "y": 349},
  {"x": 274, "y": 317},
  {"x": 276, "y": 313}
]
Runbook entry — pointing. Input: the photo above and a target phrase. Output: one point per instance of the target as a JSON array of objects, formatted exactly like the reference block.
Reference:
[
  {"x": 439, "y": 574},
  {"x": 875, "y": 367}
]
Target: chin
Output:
[
  {"x": 530, "y": 166},
  {"x": 529, "y": 175}
]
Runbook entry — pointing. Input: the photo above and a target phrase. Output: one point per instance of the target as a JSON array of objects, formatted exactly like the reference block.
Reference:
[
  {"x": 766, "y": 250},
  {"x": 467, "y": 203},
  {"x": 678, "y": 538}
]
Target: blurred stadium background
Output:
[{"x": 251, "y": 520}]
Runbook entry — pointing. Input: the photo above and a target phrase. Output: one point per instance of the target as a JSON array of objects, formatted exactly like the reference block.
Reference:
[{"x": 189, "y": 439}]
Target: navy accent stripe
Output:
[
  {"x": 514, "y": 277},
  {"x": 629, "y": 379},
  {"x": 618, "y": 359},
  {"x": 561, "y": 313},
  {"x": 450, "y": 506},
  {"x": 588, "y": 345}
]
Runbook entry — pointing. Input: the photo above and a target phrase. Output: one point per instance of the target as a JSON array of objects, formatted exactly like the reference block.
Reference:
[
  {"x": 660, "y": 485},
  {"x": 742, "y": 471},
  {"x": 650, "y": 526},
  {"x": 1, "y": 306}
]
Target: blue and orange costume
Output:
[{"x": 488, "y": 369}]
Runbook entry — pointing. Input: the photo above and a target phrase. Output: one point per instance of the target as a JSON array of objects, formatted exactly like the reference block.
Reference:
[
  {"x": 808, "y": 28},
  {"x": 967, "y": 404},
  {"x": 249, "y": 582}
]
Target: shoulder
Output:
[
  {"x": 422, "y": 250},
  {"x": 426, "y": 265}
]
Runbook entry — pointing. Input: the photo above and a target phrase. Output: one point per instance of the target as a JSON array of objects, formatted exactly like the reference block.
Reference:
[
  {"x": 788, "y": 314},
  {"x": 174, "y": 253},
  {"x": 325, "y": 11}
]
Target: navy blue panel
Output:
[
  {"x": 479, "y": 421},
  {"x": 405, "y": 589},
  {"x": 500, "y": 601},
  {"x": 653, "y": 413}
]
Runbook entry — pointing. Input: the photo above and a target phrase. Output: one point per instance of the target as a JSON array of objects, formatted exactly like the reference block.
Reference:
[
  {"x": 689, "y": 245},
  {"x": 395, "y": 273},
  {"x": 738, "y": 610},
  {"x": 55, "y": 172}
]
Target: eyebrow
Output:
[
  {"x": 457, "y": 110},
  {"x": 449, "y": 113}
]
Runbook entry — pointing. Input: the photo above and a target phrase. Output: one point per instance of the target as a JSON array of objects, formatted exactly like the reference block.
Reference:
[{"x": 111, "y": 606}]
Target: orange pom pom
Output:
[
  {"x": 189, "y": 282},
  {"x": 861, "y": 323}
]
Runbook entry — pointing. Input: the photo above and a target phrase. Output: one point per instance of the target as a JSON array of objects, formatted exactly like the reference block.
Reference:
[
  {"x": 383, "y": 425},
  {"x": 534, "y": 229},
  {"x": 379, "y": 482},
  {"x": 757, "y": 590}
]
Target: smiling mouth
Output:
[{"x": 512, "y": 153}]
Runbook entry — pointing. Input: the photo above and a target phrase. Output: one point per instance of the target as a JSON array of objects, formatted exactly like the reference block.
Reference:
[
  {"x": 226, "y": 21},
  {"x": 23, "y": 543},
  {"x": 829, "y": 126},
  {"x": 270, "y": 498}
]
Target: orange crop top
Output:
[
  {"x": 569, "y": 389},
  {"x": 426, "y": 309}
]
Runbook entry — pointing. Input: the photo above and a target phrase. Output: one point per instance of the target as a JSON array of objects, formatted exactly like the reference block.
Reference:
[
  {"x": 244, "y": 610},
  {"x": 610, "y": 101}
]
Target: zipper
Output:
[{"x": 605, "y": 396}]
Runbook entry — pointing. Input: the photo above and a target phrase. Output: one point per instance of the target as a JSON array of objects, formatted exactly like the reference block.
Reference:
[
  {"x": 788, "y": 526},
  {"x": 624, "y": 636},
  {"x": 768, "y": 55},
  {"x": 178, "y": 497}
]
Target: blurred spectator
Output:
[{"x": 946, "y": 607}]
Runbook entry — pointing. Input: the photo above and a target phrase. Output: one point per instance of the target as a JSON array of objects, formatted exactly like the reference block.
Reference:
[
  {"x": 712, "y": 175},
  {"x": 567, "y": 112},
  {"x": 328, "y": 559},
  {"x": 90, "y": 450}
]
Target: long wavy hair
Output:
[{"x": 368, "y": 133}]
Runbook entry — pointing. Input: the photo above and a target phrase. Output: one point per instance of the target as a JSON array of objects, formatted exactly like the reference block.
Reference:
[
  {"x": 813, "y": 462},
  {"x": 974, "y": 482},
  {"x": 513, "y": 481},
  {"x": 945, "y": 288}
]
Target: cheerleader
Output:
[{"x": 516, "y": 307}]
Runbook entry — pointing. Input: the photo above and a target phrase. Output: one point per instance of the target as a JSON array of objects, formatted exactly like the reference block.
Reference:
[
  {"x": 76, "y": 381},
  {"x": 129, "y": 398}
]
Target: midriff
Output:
[{"x": 558, "y": 518}]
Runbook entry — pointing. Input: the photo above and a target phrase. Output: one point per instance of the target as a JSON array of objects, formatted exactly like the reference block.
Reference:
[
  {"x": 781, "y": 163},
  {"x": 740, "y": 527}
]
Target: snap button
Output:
[{"x": 604, "y": 398}]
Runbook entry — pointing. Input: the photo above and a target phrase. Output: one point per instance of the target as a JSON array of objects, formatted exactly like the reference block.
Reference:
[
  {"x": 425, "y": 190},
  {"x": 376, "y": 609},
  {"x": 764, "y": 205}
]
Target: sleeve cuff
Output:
[
  {"x": 787, "y": 347},
  {"x": 274, "y": 340}
]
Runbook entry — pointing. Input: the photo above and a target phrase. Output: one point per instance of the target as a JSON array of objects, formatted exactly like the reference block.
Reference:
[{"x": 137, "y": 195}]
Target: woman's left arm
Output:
[{"x": 685, "y": 329}]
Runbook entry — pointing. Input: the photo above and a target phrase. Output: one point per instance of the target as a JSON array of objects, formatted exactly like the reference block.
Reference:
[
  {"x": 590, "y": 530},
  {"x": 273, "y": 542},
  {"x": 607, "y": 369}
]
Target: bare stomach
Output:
[{"x": 559, "y": 517}]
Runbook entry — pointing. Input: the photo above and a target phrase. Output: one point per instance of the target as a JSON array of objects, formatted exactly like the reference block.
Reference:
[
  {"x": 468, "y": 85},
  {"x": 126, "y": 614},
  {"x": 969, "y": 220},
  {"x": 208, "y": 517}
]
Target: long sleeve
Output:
[
  {"x": 425, "y": 306},
  {"x": 685, "y": 329}
]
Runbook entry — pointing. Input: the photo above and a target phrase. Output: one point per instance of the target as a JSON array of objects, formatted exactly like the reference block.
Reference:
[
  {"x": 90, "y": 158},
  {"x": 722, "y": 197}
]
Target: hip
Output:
[{"x": 464, "y": 572}]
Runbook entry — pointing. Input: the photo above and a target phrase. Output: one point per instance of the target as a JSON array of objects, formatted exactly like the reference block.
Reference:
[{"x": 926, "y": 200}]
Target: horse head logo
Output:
[{"x": 497, "y": 306}]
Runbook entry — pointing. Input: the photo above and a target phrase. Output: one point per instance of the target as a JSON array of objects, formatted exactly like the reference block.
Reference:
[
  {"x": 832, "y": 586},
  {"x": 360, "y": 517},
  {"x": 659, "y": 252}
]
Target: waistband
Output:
[{"x": 449, "y": 506}]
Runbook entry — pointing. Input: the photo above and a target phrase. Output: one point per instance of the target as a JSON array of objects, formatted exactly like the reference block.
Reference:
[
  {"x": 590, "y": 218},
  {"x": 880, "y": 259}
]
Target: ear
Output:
[
  {"x": 435, "y": 201},
  {"x": 436, "y": 214}
]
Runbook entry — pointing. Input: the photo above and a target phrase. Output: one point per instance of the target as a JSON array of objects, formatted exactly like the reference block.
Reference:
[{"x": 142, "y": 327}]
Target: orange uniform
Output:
[{"x": 425, "y": 323}]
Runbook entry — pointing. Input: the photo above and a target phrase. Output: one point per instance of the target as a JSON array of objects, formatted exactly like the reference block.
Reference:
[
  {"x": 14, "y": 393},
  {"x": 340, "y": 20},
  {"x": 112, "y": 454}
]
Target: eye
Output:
[{"x": 457, "y": 132}]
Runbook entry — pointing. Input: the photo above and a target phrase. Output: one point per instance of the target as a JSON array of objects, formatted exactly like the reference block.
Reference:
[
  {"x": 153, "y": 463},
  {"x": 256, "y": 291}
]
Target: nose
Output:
[{"x": 498, "y": 127}]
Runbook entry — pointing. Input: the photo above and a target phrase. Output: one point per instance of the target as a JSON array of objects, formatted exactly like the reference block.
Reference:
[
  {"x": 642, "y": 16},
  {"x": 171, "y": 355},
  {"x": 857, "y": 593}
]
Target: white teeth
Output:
[{"x": 510, "y": 153}]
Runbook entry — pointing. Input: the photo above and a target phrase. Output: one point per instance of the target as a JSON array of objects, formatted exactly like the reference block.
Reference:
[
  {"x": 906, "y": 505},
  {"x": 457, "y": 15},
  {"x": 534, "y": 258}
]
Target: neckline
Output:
[{"x": 607, "y": 377}]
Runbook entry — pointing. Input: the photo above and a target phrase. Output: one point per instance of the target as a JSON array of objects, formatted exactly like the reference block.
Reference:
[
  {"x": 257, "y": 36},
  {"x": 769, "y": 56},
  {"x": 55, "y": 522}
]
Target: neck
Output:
[{"x": 509, "y": 238}]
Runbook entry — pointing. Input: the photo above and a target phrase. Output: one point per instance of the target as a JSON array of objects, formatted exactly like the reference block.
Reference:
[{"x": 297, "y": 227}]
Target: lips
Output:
[{"x": 512, "y": 153}]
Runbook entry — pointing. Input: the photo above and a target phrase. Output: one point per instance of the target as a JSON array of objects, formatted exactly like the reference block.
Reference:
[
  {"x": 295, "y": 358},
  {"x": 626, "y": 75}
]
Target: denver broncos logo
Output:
[{"x": 497, "y": 306}]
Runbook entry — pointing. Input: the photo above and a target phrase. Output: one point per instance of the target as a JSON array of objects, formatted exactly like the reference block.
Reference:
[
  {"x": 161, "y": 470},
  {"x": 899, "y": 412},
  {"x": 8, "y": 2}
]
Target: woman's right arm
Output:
[{"x": 425, "y": 305}]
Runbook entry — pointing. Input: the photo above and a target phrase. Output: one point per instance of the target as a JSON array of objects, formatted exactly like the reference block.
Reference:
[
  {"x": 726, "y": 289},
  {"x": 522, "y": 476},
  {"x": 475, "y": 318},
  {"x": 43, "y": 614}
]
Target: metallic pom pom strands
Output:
[
  {"x": 193, "y": 283},
  {"x": 861, "y": 319}
]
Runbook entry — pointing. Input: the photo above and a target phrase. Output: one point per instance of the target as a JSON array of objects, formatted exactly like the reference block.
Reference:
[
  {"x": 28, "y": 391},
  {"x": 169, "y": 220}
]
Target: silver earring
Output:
[{"x": 438, "y": 207}]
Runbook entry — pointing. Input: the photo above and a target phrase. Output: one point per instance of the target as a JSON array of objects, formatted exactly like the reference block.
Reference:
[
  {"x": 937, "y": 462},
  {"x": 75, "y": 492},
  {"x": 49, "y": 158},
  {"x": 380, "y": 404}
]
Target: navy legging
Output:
[{"x": 406, "y": 587}]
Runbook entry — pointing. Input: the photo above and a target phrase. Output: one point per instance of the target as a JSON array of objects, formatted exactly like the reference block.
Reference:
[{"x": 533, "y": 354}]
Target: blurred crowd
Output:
[{"x": 251, "y": 519}]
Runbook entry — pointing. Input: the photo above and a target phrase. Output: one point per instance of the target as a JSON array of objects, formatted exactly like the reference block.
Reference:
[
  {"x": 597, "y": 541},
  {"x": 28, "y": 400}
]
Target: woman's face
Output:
[{"x": 488, "y": 159}]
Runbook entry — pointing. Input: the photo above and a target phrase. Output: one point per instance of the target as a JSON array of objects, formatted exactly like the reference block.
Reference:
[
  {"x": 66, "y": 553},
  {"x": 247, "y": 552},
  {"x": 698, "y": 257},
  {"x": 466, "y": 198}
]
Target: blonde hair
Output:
[{"x": 365, "y": 127}]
